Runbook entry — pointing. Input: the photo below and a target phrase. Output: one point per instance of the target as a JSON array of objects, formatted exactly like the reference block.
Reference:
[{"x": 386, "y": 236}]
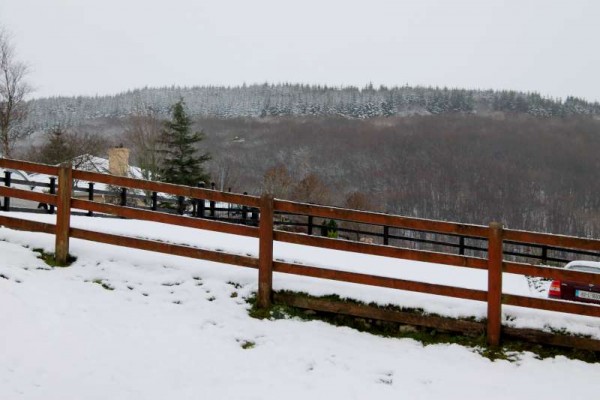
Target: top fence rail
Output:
[
  {"x": 29, "y": 166},
  {"x": 178, "y": 190}
]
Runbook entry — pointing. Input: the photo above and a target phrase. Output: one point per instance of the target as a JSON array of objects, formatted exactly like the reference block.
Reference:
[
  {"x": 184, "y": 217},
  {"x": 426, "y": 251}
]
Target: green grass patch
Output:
[
  {"x": 247, "y": 344},
  {"x": 50, "y": 258},
  {"x": 103, "y": 284}
]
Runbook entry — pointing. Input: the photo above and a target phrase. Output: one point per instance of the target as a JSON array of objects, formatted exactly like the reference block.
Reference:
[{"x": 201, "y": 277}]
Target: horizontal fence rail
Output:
[
  {"x": 259, "y": 217},
  {"x": 178, "y": 190},
  {"x": 380, "y": 281},
  {"x": 546, "y": 239},
  {"x": 377, "y": 250},
  {"x": 551, "y": 272},
  {"x": 155, "y": 216},
  {"x": 28, "y": 195},
  {"x": 167, "y": 248},
  {"x": 381, "y": 219},
  {"x": 29, "y": 166},
  {"x": 26, "y": 225},
  {"x": 552, "y": 305}
]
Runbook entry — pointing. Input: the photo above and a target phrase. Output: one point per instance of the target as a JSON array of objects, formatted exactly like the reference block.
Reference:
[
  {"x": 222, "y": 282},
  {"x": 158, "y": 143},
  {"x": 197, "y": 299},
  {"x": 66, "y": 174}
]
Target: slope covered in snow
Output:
[{"x": 123, "y": 324}]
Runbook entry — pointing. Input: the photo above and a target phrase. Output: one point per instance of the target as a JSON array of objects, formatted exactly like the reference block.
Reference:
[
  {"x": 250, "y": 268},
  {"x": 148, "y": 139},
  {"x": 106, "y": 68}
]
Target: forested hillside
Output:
[
  {"x": 302, "y": 100},
  {"x": 528, "y": 172},
  {"x": 449, "y": 154}
]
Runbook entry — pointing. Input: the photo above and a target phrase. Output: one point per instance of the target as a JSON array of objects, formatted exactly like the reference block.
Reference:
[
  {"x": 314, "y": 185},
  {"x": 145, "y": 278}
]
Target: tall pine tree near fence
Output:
[{"x": 182, "y": 164}]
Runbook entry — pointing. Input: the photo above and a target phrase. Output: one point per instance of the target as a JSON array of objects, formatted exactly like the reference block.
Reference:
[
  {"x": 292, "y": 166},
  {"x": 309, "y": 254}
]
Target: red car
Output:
[{"x": 577, "y": 291}]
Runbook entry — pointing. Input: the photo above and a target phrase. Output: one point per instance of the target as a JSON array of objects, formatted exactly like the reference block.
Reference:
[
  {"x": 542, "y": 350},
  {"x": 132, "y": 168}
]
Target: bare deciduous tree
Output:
[
  {"x": 277, "y": 181},
  {"x": 311, "y": 189},
  {"x": 357, "y": 201},
  {"x": 63, "y": 145},
  {"x": 143, "y": 137},
  {"x": 13, "y": 91},
  {"x": 224, "y": 172}
]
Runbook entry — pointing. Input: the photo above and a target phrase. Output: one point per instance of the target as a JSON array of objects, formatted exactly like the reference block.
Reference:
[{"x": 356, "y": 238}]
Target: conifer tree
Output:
[
  {"x": 181, "y": 163},
  {"x": 56, "y": 150}
]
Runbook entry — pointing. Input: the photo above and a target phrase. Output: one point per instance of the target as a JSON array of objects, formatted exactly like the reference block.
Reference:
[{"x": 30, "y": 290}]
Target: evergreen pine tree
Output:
[
  {"x": 181, "y": 164},
  {"x": 56, "y": 150}
]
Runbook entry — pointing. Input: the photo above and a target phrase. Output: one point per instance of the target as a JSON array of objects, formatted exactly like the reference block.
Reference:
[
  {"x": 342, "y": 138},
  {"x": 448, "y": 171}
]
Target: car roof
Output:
[{"x": 587, "y": 266}]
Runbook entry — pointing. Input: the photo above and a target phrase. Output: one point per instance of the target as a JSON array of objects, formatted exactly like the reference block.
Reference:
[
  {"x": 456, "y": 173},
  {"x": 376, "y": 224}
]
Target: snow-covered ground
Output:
[{"x": 128, "y": 324}]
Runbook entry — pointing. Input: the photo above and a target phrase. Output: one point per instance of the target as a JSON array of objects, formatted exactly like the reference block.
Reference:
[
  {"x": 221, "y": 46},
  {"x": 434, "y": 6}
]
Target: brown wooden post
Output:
[
  {"x": 494, "y": 297},
  {"x": 212, "y": 203},
  {"x": 7, "y": 184},
  {"x": 90, "y": 196},
  {"x": 244, "y": 212},
  {"x": 123, "y": 197},
  {"x": 52, "y": 191},
  {"x": 154, "y": 201},
  {"x": 180, "y": 205},
  {"x": 63, "y": 213},
  {"x": 201, "y": 206},
  {"x": 265, "y": 251},
  {"x": 544, "y": 255}
]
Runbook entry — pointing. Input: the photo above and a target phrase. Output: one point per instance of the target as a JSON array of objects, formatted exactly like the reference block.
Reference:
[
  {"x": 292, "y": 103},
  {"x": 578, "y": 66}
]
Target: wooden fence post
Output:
[
  {"x": 201, "y": 204},
  {"x": 265, "y": 251},
  {"x": 245, "y": 212},
  {"x": 494, "y": 295},
  {"x": 180, "y": 205},
  {"x": 123, "y": 200},
  {"x": 7, "y": 184},
  {"x": 212, "y": 203},
  {"x": 63, "y": 213},
  {"x": 544, "y": 255},
  {"x": 90, "y": 197},
  {"x": 212, "y": 206},
  {"x": 154, "y": 201},
  {"x": 52, "y": 191}
]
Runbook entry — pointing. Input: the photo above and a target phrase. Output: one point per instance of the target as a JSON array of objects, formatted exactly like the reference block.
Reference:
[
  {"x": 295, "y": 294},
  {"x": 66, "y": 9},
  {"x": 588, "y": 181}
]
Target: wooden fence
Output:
[
  {"x": 494, "y": 236},
  {"x": 283, "y": 220},
  {"x": 121, "y": 195}
]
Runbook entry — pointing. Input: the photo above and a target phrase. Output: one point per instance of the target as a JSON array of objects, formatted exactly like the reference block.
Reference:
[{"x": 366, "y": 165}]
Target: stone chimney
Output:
[{"x": 118, "y": 161}]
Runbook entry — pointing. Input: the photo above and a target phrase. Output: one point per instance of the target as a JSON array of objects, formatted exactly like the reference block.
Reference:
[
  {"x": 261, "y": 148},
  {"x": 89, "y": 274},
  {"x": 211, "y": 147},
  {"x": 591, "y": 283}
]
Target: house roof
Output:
[{"x": 84, "y": 162}]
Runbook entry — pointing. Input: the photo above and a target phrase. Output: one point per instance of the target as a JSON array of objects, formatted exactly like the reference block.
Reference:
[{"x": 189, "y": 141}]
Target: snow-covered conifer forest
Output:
[{"x": 303, "y": 100}]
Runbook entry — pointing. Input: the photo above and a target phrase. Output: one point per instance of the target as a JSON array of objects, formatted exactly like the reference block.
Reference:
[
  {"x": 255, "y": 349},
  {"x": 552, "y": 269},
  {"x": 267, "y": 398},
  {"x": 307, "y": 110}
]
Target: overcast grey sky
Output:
[{"x": 108, "y": 46}]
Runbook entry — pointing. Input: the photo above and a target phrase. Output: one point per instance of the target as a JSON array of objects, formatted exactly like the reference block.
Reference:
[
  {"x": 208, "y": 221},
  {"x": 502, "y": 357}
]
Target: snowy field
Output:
[{"x": 129, "y": 324}]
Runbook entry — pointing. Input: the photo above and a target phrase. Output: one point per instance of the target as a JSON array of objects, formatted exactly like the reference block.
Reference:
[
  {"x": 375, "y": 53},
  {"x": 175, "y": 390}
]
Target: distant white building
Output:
[{"x": 116, "y": 164}]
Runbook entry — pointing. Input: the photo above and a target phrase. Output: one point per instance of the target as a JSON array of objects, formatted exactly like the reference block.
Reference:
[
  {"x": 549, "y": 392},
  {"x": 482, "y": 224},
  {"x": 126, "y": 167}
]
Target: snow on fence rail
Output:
[{"x": 494, "y": 235}]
